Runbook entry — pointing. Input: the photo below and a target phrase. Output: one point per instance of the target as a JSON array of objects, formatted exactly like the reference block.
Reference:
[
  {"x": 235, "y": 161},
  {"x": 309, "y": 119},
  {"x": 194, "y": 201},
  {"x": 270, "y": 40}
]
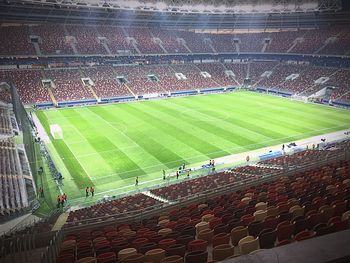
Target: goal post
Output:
[
  {"x": 299, "y": 98},
  {"x": 56, "y": 132}
]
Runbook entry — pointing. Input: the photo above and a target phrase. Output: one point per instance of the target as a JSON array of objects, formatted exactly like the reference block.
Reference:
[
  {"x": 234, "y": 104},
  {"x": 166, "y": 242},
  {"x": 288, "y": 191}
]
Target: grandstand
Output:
[{"x": 174, "y": 131}]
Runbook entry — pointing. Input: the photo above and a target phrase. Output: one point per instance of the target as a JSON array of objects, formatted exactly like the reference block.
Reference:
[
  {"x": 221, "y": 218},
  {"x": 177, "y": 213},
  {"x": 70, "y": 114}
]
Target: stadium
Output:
[{"x": 174, "y": 131}]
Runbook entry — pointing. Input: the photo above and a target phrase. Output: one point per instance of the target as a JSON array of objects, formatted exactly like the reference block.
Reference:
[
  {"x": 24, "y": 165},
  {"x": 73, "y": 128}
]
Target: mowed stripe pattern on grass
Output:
[{"x": 112, "y": 144}]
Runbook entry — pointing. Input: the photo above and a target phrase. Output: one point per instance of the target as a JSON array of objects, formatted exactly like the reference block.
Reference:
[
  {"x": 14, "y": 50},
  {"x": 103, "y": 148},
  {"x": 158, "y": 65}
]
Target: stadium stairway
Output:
[
  {"x": 52, "y": 97},
  {"x": 61, "y": 220},
  {"x": 156, "y": 197},
  {"x": 270, "y": 166},
  {"x": 49, "y": 90},
  {"x": 130, "y": 90},
  {"x": 92, "y": 91}
]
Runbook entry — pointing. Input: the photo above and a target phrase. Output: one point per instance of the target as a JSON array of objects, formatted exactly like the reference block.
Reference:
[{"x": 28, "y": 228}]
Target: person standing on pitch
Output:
[
  {"x": 92, "y": 191},
  {"x": 87, "y": 191},
  {"x": 137, "y": 181},
  {"x": 163, "y": 175},
  {"x": 177, "y": 174}
]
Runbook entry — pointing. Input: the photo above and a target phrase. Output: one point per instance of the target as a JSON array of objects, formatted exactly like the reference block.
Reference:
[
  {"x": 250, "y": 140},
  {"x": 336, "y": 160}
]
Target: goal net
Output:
[
  {"x": 299, "y": 98},
  {"x": 56, "y": 131}
]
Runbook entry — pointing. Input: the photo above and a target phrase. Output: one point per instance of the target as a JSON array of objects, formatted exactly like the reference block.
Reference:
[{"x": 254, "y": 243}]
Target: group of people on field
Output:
[
  {"x": 61, "y": 199},
  {"x": 89, "y": 190}
]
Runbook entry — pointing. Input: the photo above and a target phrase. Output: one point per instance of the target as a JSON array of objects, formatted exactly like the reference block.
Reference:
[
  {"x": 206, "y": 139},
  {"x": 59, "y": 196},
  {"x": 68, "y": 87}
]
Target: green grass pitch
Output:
[{"x": 108, "y": 146}]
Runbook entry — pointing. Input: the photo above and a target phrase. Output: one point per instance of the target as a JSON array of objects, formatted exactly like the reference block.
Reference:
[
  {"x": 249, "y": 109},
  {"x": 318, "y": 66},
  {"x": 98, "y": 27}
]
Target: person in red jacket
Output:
[
  {"x": 87, "y": 191},
  {"x": 92, "y": 190}
]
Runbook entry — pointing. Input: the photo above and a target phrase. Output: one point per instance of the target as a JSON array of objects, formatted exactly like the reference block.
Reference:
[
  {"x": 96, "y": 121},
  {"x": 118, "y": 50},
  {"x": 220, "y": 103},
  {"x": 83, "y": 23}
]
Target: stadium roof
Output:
[
  {"x": 205, "y": 6},
  {"x": 222, "y": 14}
]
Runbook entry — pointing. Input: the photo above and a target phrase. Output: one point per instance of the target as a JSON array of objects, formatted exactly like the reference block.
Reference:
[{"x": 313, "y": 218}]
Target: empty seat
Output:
[
  {"x": 223, "y": 251},
  {"x": 136, "y": 258},
  {"x": 197, "y": 244},
  {"x": 285, "y": 230},
  {"x": 176, "y": 249},
  {"x": 196, "y": 257},
  {"x": 106, "y": 257},
  {"x": 248, "y": 244},
  {"x": 222, "y": 238},
  {"x": 124, "y": 253},
  {"x": 267, "y": 238},
  {"x": 173, "y": 259},
  {"x": 155, "y": 255},
  {"x": 304, "y": 235},
  {"x": 238, "y": 233},
  {"x": 206, "y": 234}
]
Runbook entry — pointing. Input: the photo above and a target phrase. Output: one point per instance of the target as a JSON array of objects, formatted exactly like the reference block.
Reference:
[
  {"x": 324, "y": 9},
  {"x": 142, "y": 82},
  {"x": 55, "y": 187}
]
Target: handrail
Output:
[{"x": 208, "y": 193}]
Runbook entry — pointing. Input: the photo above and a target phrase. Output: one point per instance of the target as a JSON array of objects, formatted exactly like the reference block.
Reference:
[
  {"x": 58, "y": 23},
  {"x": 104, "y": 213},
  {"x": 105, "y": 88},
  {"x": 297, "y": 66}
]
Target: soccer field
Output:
[{"x": 108, "y": 146}]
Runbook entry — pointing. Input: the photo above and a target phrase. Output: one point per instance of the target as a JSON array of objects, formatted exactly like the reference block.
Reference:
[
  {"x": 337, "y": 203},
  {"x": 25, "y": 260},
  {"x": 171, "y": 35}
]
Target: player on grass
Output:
[{"x": 137, "y": 181}]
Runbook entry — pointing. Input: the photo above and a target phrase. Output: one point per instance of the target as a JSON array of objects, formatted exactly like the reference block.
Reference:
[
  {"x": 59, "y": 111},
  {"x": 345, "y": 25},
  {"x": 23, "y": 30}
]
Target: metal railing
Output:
[{"x": 17, "y": 249}]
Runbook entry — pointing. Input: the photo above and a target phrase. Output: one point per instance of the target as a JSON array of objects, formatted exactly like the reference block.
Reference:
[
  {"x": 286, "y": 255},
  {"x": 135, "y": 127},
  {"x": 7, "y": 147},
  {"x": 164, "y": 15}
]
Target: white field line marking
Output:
[
  {"x": 198, "y": 156},
  {"x": 70, "y": 125},
  {"x": 114, "y": 128},
  {"x": 107, "y": 151},
  {"x": 314, "y": 139},
  {"x": 196, "y": 111},
  {"x": 74, "y": 154}
]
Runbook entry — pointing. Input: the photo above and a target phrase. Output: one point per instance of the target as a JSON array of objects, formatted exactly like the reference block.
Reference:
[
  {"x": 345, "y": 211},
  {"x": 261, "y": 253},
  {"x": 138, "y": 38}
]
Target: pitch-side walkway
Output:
[
  {"x": 61, "y": 220},
  {"x": 333, "y": 136}
]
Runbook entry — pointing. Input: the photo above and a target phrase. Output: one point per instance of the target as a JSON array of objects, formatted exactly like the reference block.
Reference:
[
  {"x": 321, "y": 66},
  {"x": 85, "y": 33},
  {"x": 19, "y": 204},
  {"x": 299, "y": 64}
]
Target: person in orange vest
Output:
[
  {"x": 62, "y": 200},
  {"x": 92, "y": 190},
  {"x": 87, "y": 191},
  {"x": 65, "y": 197},
  {"x": 58, "y": 201}
]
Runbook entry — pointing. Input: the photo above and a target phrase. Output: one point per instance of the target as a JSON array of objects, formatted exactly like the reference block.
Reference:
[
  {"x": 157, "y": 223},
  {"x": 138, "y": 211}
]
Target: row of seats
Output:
[
  {"x": 5, "y": 122},
  {"x": 287, "y": 209},
  {"x": 55, "y": 39},
  {"x": 308, "y": 156},
  {"x": 12, "y": 196},
  {"x": 115, "y": 208},
  {"x": 190, "y": 187}
]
